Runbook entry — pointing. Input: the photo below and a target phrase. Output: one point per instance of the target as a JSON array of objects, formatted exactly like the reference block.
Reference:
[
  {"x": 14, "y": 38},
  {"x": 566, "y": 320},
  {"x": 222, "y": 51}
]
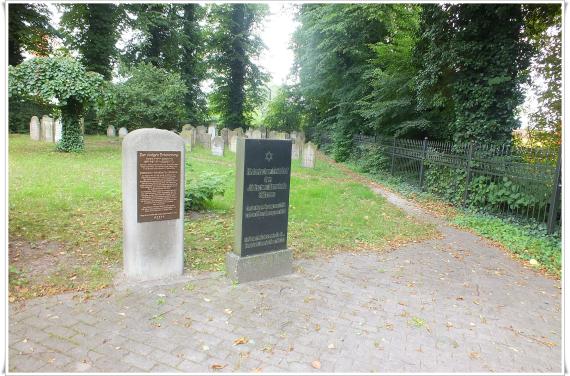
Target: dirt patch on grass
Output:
[{"x": 37, "y": 259}]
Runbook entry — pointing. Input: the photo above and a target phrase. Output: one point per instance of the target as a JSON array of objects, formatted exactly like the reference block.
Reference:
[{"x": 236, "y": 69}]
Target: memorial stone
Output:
[
  {"x": 309, "y": 154},
  {"x": 248, "y": 133},
  {"x": 201, "y": 129},
  {"x": 212, "y": 131},
  {"x": 153, "y": 204},
  {"x": 58, "y": 130},
  {"x": 296, "y": 151},
  {"x": 218, "y": 146},
  {"x": 123, "y": 132},
  {"x": 263, "y": 172},
  {"x": 225, "y": 135},
  {"x": 47, "y": 129},
  {"x": 35, "y": 128},
  {"x": 187, "y": 127},
  {"x": 111, "y": 131},
  {"x": 256, "y": 133},
  {"x": 204, "y": 139},
  {"x": 272, "y": 135},
  {"x": 233, "y": 143},
  {"x": 187, "y": 137},
  {"x": 239, "y": 132}
]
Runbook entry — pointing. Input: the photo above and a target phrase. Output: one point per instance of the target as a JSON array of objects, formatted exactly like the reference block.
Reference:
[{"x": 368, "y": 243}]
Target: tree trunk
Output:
[{"x": 71, "y": 137}]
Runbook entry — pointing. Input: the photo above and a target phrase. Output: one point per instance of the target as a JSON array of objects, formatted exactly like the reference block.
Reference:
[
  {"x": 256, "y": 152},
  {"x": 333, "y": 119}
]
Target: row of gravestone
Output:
[
  {"x": 46, "y": 129},
  {"x": 111, "y": 132},
  {"x": 153, "y": 184},
  {"x": 209, "y": 139}
]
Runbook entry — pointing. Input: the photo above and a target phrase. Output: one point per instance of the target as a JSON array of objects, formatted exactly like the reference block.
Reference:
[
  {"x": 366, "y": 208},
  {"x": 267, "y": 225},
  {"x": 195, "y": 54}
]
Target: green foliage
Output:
[
  {"x": 93, "y": 29},
  {"x": 472, "y": 60},
  {"x": 445, "y": 182},
  {"x": 21, "y": 111},
  {"x": 487, "y": 192},
  {"x": 201, "y": 191},
  {"x": 150, "y": 97},
  {"x": 284, "y": 111},
  {"x": 234, "y": 47},
  {"x": 369, "y": 159},
  {"x": 64, "y": 79},
  {"x": 526, "y": 240},
  {"x": 28, "y": 30}
]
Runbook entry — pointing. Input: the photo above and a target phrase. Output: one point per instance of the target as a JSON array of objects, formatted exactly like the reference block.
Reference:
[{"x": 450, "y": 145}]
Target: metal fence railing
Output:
[{"x": 509, "y": 180}]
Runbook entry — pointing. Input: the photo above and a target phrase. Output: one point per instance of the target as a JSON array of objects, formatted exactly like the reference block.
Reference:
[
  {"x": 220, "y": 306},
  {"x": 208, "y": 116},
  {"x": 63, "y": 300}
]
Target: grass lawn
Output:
[{"x": 65, "y": 216}]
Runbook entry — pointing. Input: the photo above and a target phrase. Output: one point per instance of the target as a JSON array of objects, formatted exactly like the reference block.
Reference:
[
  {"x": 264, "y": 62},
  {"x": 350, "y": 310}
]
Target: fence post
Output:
[
  {"x": 468, "y": 173},
  {"x": 393, "y": 155},
  {"x": 555, "y": 197},
  {"x": 424, "y": 152}
]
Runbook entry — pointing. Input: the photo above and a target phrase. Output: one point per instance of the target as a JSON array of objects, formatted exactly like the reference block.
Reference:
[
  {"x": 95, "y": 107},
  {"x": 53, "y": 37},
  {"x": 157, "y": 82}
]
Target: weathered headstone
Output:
[
  {"x": 296, "y": 150},
  {"x": 47, "y": 129},
  {"x": 239, "y": 132},
  {"x": 35, "y": 128},
  {"x": 111, "y": 131},
  {"x": 233, "y": 143},
  {"x": 212, "y": 131},
  {"x": 218, "y": 146},
  {"x": 58, "y": 130},
  {"x": 153, "y": 204},
  {"x": 309, "y": 154},
  {"x": 186, "y": 127},
  {"x": 300, "y": 138},
  {"x": 204, "y": 139},
  {"x": 224, "y": 132},
  {"x": 294, "y": 135},
  {"x": 201, "y": 129},
  {"x": 187, "y": 136},
  {"x": 263, "y": 131},
  {"x": 263, "y": 172},
  {"x": 123, "y": 132},
  {"x": 256, "y": 133},
  {"x": 248, "y": 133},
  {"x": 272, "y": 135}
]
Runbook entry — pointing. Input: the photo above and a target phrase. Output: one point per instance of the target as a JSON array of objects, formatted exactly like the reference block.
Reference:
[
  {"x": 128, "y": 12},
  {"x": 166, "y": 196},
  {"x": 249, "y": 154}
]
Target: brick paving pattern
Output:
[{"x": 455, "y": 304}]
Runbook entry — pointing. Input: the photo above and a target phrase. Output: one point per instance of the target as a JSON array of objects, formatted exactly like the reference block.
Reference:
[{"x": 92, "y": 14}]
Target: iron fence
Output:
[{"x": 503, "y": 179}]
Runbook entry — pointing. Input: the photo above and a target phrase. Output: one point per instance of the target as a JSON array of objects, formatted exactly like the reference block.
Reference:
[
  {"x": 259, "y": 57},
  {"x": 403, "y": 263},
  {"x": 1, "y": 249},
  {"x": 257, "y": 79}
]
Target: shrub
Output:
[
  {"x": 150, "y": 98},
  {"x": 202, "y": 190}
]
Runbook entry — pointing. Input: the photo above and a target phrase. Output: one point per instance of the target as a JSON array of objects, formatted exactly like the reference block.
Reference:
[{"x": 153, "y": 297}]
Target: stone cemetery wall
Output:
[
  {"x": 35, "y": 134},
  {"x": 153, "y": 204}
]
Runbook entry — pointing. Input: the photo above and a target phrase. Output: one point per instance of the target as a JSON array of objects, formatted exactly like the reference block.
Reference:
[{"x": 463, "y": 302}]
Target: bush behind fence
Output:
[{"x": 507, "y": 180}]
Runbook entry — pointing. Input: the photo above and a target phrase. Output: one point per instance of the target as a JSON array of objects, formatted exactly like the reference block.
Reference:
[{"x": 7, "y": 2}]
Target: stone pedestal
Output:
[
  {"x": 153, "y": 204},
  {"x": 263, "y": 173}
]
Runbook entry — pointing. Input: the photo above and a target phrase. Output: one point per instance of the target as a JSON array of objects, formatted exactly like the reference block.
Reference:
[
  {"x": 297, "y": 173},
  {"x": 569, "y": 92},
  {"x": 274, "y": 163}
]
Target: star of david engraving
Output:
[{"x": 268, "y": 156}]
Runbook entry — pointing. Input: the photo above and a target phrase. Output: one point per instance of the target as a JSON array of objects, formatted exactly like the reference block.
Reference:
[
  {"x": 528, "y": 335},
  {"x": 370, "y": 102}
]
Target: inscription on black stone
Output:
[{"x": 265, "y": 209}]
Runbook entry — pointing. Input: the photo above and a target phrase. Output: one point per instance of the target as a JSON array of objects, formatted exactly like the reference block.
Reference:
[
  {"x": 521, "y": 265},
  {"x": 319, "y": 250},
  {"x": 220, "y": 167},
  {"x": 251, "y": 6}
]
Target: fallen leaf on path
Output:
[
  {"x": 218, "y": 366},
  {"x": 256, "y": 370},
  {"x": 240, "y": 341},
  {"x": 206, "y": 299},
  {"x": 228, "y": 311},
  {"x": 316, "y": 364},
  {"x": 474, "y": 355}
]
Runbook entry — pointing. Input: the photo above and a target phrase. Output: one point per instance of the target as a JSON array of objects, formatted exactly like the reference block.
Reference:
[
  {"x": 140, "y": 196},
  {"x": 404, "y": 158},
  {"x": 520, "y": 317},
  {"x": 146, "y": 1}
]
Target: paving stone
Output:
[{"x": 139, "y": 361}]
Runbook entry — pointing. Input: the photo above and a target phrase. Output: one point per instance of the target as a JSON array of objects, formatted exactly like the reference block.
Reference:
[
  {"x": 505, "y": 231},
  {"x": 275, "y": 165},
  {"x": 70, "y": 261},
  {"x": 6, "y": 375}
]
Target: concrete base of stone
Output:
[{"x": 258, "y": 267}]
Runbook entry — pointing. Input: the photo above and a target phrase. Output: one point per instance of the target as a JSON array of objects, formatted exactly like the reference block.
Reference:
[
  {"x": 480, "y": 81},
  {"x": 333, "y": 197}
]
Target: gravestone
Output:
[
  {"x": 233, "y": 143},
  {"x": 111, "y": 131},
  {"x": 309, "y": 154},
  {"x": 218, "y": 146},
  {"x": 58, "y": 130},
  {"x": 212, "y": 131},
  {"x": 296, "y": 151},
  {"x": 294, "y": 135},
  {"x": 256, "y": 133},
  {"x": 263, "y": 173},
  {"x": 35, "y": 128},
  {"x": 46, "y": 128},
  {"x": 204, "y": 139},
  {"x": 153, "y": 204},
  {"x": 187, "y": 136},
  {"x": 248, "y": 133},
  {"x": 263, "y": 131},
  {"x": 225, "y": 135},
  {"x": 272, "y": 135},
  {"x": 187, "y": 127},
  {"x": 201, "y": 129},
  {"x": 239, "y": 132},
  {"x": 123, "y": 132},
  {"x": 300, "y": 138}
]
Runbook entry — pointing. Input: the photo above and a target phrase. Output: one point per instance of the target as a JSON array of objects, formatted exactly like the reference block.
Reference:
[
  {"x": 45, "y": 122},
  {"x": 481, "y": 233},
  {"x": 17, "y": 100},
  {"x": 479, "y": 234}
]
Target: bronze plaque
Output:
[{"x": 158, "y": 185}]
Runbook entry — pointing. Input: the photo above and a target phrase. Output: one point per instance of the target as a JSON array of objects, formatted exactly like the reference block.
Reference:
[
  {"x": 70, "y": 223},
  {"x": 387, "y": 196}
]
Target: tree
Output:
[
  {"x": 45, "y": 79},
  {"x": 28, "y": 30},
  {"x": 284, "y": 111},
  {"x": 192, "y": 67},
  {"x": 543, "y": 25},
  {"x": 472, "y": 59},
  {"x": 233, "y": 50},
  {"x": 150, "y": 97},
  {"x": 93, "y": 29}
]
